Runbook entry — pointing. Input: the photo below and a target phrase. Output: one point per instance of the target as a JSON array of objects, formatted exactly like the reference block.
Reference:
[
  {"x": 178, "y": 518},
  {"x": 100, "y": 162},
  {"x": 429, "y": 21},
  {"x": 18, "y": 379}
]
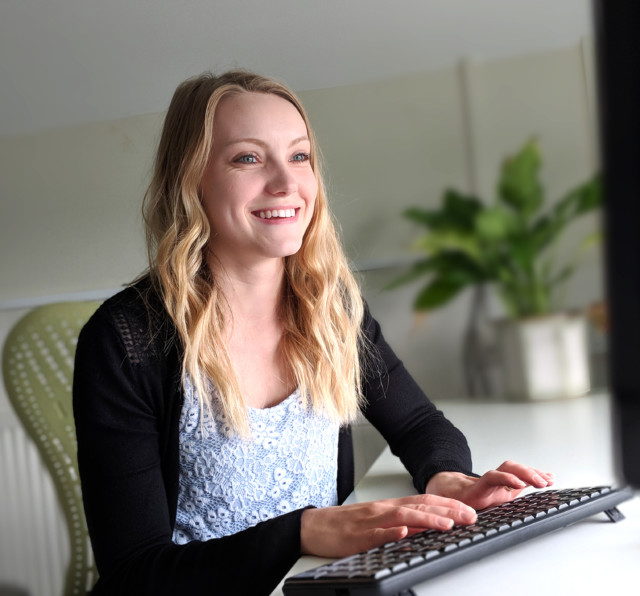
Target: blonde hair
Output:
[{"x": 321, "y": 307}]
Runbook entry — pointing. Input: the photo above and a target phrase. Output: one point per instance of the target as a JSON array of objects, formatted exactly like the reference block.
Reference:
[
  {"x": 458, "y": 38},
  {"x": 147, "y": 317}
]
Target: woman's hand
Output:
[
  {"x": 494, "y": 487},
  {"x": 349, "y": 529}
]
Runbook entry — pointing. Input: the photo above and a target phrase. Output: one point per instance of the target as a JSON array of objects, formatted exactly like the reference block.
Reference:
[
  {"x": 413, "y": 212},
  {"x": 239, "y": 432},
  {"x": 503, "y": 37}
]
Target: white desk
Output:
[{"x": 571, "y": 438}]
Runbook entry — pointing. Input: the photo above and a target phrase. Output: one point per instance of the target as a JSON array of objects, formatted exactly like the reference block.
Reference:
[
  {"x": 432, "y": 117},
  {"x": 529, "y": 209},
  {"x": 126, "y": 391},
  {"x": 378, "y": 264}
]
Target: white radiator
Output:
[{"x": 34, "y": 548}]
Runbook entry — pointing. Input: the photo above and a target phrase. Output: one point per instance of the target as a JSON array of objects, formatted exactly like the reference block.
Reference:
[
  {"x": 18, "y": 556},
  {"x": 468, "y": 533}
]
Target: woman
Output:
[{"x": 213, "y": 396}]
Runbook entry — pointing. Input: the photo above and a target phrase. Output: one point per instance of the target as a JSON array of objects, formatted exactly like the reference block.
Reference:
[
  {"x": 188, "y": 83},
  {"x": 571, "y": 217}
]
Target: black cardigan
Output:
[{"x": 127, "y": 399}]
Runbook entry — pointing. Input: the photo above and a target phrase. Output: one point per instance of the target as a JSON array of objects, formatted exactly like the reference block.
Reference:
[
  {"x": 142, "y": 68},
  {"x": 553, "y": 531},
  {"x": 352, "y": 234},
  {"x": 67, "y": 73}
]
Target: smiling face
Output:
[{"x": 258, "y": 189}]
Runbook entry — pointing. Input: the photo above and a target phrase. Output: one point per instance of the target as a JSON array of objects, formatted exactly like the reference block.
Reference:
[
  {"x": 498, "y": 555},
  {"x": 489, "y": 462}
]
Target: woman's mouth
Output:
[{"x": 276, "y": 213}]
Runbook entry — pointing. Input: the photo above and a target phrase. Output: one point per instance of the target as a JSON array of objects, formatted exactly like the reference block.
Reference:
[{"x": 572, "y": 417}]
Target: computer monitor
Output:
[{"x": 617, "y": 34}]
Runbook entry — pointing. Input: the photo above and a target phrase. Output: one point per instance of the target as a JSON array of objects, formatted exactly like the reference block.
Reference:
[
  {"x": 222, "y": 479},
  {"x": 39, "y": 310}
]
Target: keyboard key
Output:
[
  {"x": 450, "y": 547},
  {"x": 432, "y": 554}
]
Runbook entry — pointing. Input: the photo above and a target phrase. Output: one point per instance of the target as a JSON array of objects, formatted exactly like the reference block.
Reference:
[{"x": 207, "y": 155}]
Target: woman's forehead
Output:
[{"x": 245, "y": 115}]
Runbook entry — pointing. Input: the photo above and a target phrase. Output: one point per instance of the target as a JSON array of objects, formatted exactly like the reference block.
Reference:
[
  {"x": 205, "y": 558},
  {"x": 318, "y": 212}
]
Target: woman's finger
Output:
[
  {"x": 426, "y": 499},
  {"x": 423, "y": 516},
  {"x": 496, "y": 478},
  {"x": 550, "y": 477},
  {"x": 377, "y": 536},
  {"x": 465, "y": 515},
  {"x": 527, "y": 474}
]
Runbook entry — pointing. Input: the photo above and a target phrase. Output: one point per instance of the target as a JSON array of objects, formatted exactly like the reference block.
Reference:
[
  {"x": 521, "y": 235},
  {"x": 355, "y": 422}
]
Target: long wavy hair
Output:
[{"x": 321, "y": 307}]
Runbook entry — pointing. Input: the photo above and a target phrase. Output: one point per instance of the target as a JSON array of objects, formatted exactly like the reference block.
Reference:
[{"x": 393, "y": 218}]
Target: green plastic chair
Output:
[{"x": 37, "y": 366}]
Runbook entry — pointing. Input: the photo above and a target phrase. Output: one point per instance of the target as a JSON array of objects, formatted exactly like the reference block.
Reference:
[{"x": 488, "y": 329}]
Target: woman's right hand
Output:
[{"x": 348, "y": 529}]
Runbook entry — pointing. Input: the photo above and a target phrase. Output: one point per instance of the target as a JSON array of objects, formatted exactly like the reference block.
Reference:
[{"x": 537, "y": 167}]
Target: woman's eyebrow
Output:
[{"x": 262, "y": 143}]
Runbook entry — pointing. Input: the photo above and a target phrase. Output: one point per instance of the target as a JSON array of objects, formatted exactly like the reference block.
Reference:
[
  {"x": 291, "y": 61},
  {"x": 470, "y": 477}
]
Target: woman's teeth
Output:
[{"x": 277, "y": 213}]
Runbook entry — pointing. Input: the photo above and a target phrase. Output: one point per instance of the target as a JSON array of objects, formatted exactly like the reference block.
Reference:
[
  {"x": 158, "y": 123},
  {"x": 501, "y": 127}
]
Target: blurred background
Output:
[{"x": 408, "y": 98}]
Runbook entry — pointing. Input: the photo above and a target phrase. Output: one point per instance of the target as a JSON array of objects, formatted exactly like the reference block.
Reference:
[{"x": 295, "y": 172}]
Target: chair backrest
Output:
[{"x": 37, "y": 366}]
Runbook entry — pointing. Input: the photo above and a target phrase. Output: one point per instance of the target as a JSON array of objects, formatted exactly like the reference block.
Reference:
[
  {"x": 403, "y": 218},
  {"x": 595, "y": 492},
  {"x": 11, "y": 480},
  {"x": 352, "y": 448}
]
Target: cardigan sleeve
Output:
[
  {"x": 118, "y": 407},
  {"x": 417, "y": 432}
]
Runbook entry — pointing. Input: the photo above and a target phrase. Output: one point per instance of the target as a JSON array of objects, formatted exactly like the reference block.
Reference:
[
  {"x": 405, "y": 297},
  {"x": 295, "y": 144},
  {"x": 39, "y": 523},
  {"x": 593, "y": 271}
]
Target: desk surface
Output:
[{"x": 571, "y": 438}]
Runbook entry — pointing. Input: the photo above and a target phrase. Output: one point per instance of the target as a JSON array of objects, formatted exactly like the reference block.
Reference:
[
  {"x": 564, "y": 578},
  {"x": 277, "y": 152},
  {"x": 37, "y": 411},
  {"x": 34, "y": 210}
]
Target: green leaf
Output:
[
  {"x": 523, "y": 254},
  {"x": 590, "y": 195},
  {"x": 495, "y": 224},
  {"x": 545, "y": 231},
  {"x": 518, "y": 186},
  {"x": 580, "y": 200},
  {"x": 562, "y": 275},
  {"x": 440, "y": 291},
  {"x": 447, "y": 262},
  {"x": 457, "y": 213},
  {"x": 591, "y": 240},
  {"x": 418, "y": 270},
  {"x": 428, "y": 218},
  {"x": 461, "y": 210},
  {"x": 450, "y": 240}
]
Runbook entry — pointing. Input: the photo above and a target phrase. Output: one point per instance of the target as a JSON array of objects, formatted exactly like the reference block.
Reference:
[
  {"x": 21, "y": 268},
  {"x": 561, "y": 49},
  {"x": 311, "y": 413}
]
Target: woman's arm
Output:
[
  {"x": 417, "y": 432},
  {"x": 431, "y": 448},
  {"x": 121, "y": 409}
]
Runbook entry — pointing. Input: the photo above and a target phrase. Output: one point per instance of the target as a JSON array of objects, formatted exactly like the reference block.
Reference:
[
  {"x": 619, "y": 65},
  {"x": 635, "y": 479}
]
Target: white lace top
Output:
[{"x": 227, "y": 484}]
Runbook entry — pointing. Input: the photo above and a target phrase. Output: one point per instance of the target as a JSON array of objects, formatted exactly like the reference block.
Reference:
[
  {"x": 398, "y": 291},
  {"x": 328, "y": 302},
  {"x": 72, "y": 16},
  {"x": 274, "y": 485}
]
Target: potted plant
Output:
[{"x": 508, "y": 245}]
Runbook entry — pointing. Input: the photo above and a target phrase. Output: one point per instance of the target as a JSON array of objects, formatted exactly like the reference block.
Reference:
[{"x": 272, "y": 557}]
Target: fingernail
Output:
[
  {"x": 469, "y": 516},
  {"x": 445, "y": 523},
  {"x": 539, "y": 479}
]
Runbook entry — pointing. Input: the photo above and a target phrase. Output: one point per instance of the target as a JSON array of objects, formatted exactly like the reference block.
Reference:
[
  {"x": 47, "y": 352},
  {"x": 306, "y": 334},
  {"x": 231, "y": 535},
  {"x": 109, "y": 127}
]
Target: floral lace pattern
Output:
[{"x": 228, "y": 484}]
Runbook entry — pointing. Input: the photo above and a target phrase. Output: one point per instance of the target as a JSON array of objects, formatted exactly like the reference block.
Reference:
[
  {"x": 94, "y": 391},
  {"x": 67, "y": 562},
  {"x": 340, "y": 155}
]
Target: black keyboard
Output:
[{"x": 395, "y": 567}]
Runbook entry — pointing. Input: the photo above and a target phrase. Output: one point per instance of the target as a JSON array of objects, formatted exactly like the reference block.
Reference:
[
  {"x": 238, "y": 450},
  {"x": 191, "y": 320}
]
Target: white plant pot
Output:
[{"x": 544, "y": 357}]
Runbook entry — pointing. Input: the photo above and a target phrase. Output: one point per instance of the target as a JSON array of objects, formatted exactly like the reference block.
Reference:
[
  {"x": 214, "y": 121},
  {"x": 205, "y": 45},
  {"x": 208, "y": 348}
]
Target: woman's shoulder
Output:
[
  {"x": 137, "y": 318},
  {"x": 138, "y": 299}
]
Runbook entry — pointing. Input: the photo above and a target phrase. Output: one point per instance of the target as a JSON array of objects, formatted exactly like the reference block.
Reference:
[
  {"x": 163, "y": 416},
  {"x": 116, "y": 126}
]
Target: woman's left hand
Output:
[{"x": 496, "y": 486}]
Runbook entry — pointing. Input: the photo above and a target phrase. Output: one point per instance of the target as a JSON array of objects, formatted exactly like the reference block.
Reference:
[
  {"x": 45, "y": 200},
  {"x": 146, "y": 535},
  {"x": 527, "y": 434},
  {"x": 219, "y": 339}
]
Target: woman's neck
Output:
[
  {"x": 253, "y": 293},
  {"x": 253, "y": 337}
]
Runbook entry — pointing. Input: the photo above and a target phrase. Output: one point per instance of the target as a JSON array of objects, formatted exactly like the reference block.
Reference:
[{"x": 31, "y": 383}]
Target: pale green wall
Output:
[
  {"x": 71, "y": 207},
  {"x": 71, "y": 198},
  {"x": 388, "y": 145}
]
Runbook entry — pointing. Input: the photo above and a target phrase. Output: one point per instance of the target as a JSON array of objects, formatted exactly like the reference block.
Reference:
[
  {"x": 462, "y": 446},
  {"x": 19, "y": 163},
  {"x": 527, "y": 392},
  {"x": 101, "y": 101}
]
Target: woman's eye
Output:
[
  {"x": 247, "y": 159},
  {"x": 301, "y": 157}
]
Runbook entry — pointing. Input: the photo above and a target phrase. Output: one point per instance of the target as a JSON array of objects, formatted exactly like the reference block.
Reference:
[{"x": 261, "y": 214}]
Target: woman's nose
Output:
[{"x": 282, "y": 181}]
